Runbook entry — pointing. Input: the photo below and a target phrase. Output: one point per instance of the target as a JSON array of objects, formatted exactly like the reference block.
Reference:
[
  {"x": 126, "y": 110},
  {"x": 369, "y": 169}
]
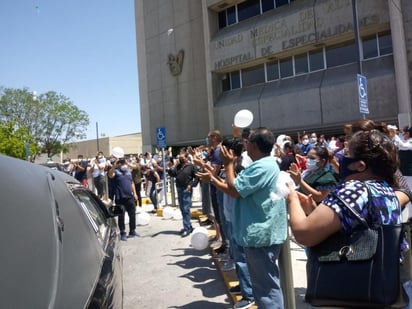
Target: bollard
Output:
[{"x": 286, "y": 275}]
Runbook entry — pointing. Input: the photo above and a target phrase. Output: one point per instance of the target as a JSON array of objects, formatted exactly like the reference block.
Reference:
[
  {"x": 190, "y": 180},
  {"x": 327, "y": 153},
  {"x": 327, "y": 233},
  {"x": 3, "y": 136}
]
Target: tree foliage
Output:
[{"x": 49, "y": 121}]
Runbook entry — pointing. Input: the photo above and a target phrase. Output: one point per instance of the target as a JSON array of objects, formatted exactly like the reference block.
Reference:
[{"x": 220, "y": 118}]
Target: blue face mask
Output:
[{"x": 344, "y": 171}]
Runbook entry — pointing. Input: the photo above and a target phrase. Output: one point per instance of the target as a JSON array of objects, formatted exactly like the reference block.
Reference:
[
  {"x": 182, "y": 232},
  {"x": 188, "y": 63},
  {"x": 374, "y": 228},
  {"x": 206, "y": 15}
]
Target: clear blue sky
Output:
[{"x": 83, "y": 49}]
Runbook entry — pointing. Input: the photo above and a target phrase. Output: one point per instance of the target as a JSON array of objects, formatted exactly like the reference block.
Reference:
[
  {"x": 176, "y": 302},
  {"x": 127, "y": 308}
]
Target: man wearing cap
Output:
[{"x": 125, "y": 195}]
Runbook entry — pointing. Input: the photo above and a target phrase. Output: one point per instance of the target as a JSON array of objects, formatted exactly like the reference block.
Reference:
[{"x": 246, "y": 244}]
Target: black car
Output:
[
  {"x": 55, "y": 166},
  {"x": 59, "y": 246}
]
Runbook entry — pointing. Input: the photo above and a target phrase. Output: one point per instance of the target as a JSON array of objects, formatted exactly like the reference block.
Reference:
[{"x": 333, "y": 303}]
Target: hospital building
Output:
[{"x": 293, "y": 63}]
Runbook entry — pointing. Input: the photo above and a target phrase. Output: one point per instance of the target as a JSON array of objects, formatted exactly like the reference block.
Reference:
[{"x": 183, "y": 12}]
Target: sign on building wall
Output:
[{"x": 310, "y": 25}]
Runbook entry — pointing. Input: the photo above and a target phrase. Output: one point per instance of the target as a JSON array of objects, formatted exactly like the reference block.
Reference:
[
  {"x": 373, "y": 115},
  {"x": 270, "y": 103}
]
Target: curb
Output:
[{"x": 229, "y": 277}]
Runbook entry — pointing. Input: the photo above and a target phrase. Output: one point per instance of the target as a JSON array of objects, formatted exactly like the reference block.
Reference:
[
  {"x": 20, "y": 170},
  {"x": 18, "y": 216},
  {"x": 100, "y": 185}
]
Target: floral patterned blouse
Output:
[{"x": 385, "y": 205}]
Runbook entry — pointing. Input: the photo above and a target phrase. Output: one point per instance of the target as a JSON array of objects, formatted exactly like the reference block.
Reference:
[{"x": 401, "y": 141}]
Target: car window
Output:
[{"x": 93, "y": 212}]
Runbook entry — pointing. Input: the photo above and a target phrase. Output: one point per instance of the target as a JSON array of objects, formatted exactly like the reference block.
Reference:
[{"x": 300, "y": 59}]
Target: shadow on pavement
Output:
[{"x": 202, "y": 304}]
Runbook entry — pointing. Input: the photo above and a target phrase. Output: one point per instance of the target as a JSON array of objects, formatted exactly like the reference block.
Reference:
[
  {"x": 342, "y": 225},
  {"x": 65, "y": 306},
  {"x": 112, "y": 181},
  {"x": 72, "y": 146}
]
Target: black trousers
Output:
[{"x": 130, "y": 207}]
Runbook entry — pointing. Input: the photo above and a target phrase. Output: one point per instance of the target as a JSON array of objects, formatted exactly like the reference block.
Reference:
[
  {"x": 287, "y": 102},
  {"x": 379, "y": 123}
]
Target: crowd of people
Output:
[
  {"x": 252, "y": 226},
  {"x": 238, "y": 175}
]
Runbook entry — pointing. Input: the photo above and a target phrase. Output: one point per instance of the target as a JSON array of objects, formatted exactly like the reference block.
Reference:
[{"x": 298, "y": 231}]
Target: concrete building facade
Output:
[
  {"x": 293, "y": 63},
  {"x": 130, "y": 143}
]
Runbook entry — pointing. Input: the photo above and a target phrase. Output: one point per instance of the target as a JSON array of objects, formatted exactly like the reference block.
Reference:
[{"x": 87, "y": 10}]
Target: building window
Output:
[
  {"x": 222, "y": 19},
  {"x": 231, "y": 81},
  {"x": 272, "y": 70},
  {"x": 286, "y": 67},
  {"x": 235, "y": 80},
  {"x": 254, "y": 75},
  {"x": 231, "y": 16},
  {"x": 341, "y": 54},
  {"x": 316, "y": 60},
  {"x": 370, "y": 47},
  {"x": 301, "y": 64},
  {"x": 248, "y": 9},
  {"x": 281, "y": 2},
  {"x": 377, "y": 45},
  {"x": 268, "y": 5},
  {"x": 226, "y": 82},
  {"x": 385, "y": 44}
]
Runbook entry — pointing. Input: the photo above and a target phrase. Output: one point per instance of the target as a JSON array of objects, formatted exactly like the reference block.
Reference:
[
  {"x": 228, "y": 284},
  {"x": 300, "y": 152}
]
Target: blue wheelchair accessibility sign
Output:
[
  {"x": 161, "y": 137},
  {"x": 363, "y": 94}
]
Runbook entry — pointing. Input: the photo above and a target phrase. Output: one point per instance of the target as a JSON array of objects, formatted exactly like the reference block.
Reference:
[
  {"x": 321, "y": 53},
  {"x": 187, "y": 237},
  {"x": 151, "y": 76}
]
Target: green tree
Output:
[
  {"x": 51, "y": 119},
  {"x": 13, "y": 141}
]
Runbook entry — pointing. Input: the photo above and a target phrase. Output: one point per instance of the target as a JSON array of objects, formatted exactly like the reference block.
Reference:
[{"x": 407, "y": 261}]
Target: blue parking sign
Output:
[
  {"x": 161, "y": 137},
  {"x": 363, "y": 94}
]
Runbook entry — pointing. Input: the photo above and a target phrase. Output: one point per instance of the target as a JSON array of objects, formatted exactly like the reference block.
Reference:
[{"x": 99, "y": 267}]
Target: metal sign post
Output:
[
  {"x": 161, "y": 143},
  {"x": 164, "y": 176}
]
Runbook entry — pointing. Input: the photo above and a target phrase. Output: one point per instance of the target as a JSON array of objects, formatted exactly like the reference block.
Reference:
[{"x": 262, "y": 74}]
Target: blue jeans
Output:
[
  {"x": 242, "y": 270},
  {"x": 184, "y": 198},
  {"x": 153, "y": 195},
  {"x": 223, "y": 222},
  {"x": 264, "y": 274}
]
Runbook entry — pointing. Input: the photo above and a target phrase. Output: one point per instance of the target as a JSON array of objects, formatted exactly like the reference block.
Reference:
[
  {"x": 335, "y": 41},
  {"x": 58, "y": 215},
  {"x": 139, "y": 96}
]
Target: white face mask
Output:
[
  {"x": 123, "y": 168},
  {"x": 305, "y": 141},
  {"x": 311, "y": 164},
  {"x": 313, "y": 139}
]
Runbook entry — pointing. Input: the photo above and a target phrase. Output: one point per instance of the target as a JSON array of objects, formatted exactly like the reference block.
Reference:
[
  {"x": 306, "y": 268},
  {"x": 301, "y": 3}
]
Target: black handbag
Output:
[{"x": 360, "y": 270}]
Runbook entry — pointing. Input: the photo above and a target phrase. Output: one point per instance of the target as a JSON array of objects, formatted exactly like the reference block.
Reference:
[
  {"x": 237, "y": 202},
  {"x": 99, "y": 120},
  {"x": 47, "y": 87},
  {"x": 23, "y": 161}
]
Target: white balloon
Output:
[
  {"x": 243, "y": 118},
  {"x": 200, "y": 238},
  {"x": 279, "y": 139},
  {"x": 167, "y": 212},
  {"x": 143, "y": 218},
  {"x": 177, "y": 214},
  {"x": 118, "y": 152}
]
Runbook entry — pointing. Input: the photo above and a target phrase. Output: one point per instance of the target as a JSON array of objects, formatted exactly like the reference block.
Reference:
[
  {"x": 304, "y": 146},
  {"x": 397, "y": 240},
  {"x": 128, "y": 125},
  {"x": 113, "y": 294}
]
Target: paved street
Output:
[{"x": 162, "y": 270}]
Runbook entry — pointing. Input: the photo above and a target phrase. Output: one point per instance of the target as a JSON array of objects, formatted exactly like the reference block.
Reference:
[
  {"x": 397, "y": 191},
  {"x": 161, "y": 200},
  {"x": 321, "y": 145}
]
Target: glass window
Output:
[
  {"x": 316, "y": 61},
  {"x": 340, "y": 55},
  {"x": 286, "y": 67},
  {"x": 248, "y": 9},
  {"x": 281, "y": 2},
  {"x": 370, "y": 47},
  {"x": 93, "y": 212},
  {"x": 272, "y": 70},
  {"x": 231, "y": 15},
  {"x": 222, "y": 19},
  {"x": 268, "y": 5},
  {"x": 385, "y": 44},
  {"x": 226, "y": 82},
  {"x": 252, "y": 76},
  {"x": 301, "y": 64},
  {"x": 235, "y": 80}
]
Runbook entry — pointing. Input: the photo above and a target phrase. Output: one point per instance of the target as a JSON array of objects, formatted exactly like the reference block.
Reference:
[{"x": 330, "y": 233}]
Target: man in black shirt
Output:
[
  {"x": 186, "y": 180},
  {"x": 124, "y": 194}
]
